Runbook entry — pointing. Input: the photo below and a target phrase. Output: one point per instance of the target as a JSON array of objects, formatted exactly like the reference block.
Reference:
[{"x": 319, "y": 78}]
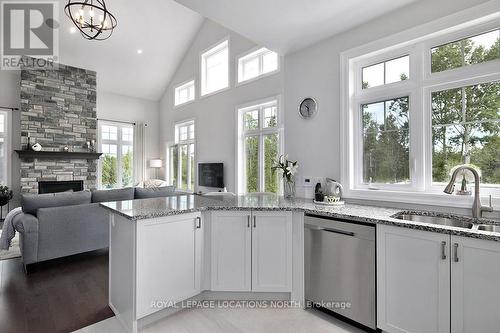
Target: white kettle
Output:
[{"x": 334, "y": 188}]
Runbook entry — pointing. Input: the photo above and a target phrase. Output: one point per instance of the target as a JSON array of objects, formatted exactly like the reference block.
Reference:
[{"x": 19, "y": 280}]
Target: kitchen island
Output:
[{"x": 168, "y": 251}]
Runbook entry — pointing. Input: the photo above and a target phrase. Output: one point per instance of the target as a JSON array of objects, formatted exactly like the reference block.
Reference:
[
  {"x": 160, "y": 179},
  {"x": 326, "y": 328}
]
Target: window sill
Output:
[
  {"x": 254, "y": 79},
  {"x": 419, "y": 198},
  {"x": 184, "y": 104},
  {"x": 215, "y": 92}
]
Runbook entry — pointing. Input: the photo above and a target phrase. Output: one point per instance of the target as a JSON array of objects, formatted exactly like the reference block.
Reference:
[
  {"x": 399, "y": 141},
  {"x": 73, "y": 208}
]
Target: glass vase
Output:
[{"x": 289, "y": 188}]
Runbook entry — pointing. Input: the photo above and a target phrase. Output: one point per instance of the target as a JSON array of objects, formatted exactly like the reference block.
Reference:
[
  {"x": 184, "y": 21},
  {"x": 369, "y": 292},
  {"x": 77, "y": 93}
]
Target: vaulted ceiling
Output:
[
  {"x": 288, "y": 25},
  {"x": 162, "y": 29}
]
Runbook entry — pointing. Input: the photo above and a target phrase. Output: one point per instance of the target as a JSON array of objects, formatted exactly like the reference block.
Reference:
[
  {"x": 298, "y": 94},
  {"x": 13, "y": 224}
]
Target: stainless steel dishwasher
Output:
[{"x": 340, "y": 268}]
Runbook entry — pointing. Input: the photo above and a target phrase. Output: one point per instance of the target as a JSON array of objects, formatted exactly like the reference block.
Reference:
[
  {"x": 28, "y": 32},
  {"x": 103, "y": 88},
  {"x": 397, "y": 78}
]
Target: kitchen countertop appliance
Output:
[{"x": 339, "y": 271}]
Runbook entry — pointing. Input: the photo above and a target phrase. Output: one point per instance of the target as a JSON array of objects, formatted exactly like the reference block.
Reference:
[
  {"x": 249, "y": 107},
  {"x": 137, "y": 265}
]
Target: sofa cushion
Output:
[
  {"x": 32, "y": 202},
  {"x": 120, "y": 194},
  {"x": 154, "y": 192}
]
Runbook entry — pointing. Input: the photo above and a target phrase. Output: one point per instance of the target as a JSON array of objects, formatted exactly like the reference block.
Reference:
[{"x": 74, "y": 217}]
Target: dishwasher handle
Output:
[{"x": 336, "y": 231}]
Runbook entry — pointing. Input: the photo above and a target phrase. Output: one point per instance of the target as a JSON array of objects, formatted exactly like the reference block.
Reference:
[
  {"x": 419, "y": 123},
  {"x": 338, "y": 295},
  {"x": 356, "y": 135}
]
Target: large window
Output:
[
  {"x": 181, "y": 157},
  {"x": 466, "y": 130},
  {"x": 117, "y": 163},
  {"x": 418, "y": 110},
  {"x": 184, "y": 93},
  {"x": 386, "y": 141},
  {"x": 215, "y": 68},
  {"x": 256, "y": 64},
  {"x": 260, "y": 144},
  {"x": 4, "y": 148}
]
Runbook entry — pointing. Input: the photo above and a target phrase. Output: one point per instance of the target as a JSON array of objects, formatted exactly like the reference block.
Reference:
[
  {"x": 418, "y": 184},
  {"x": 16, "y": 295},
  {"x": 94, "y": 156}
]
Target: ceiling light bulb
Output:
[
  {"x": 139, "y": 51},
  {"x": 91, "y": 13},
  {"x": 72, "y": 30}
]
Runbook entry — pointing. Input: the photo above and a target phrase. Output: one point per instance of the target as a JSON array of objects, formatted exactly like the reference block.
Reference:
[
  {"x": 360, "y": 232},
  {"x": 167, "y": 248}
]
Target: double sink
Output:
[{"x": 446, "y": 220}]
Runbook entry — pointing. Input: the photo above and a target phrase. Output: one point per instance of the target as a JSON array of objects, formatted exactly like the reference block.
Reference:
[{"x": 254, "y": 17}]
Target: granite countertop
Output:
[{"x": 142, "y": 209}]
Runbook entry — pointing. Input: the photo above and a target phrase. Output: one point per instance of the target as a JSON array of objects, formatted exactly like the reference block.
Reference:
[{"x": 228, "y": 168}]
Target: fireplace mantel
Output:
[{"x": 58, "y": 155}]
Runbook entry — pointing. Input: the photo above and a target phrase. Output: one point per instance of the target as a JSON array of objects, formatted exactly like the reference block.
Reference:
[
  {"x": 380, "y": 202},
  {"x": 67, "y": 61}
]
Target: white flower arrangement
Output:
[{"x": 287, "y": 167}]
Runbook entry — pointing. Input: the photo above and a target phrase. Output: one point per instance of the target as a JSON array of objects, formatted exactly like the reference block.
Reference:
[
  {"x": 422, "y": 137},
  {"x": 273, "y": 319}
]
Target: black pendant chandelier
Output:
[{"x": 91, "y": 18}]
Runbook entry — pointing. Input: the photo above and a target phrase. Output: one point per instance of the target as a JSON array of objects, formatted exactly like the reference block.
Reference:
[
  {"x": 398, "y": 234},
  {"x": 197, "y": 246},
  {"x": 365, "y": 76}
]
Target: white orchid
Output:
[
  {"x": 288, "y": 168},
  {"x": 292, "y": 169}
]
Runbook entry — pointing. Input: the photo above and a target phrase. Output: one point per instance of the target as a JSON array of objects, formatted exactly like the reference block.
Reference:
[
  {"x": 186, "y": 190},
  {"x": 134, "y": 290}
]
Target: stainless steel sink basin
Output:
[
  {"x": 440, "y": 220},
  {"x": 489, "y": 227}
]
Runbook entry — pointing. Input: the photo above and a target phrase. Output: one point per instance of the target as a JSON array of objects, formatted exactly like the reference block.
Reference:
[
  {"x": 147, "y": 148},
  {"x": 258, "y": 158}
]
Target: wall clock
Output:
[{"x": 308, "y": 107}]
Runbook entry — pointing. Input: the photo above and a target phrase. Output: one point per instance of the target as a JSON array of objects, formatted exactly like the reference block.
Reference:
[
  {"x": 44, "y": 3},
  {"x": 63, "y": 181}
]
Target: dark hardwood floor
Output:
[{"x": 62, "y": 295}]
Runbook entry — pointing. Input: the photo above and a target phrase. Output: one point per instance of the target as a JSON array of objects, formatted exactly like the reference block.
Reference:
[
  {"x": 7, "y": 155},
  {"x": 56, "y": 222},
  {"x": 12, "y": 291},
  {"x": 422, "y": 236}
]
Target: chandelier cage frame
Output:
[{"x": 96, "y": 28}]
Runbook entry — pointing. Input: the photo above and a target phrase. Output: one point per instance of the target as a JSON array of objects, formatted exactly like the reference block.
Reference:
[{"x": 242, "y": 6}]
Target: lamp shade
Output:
[{"x": 155, "y": 163}]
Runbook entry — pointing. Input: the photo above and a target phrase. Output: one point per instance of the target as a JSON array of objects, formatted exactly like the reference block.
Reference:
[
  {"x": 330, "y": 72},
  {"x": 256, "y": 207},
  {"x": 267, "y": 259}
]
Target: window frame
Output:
[
  {"x": 261, "y": 64},
  {"x": 178, "y": 142},
  {"x": 420, "y": 86},
  {"x": 210, "y": 51},
  {"x": 261, "y": 132},
  {"x": 119, "y": 142},
  {"x": 181, "y": 86},
  {"x": 7, "y": 146}
]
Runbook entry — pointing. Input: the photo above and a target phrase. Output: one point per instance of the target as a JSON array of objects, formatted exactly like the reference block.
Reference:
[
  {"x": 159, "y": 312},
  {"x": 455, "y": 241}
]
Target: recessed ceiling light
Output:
[
  {"x": 72, "y": 30},
  {"x": 139, "y": 51}
]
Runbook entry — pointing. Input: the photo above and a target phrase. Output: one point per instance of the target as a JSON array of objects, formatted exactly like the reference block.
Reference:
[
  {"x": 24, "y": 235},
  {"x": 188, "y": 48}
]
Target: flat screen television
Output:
[{"x": 211, "y": 174}]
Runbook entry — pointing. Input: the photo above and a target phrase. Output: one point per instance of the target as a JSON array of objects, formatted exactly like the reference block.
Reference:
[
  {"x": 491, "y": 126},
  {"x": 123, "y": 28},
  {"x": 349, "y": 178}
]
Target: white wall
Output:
[
  {"x": 215, "y": 115},
  {"x": 112, "y": 106},
  {"x": 315, "y": 71}
]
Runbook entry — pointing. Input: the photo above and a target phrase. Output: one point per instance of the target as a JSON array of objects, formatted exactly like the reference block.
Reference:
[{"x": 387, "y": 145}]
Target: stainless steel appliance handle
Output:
[
  {"x": 455, "y": 252},
  {"x": 255, "y": 221},
  {"x": 248, "y": 221},
  {"x": 443, "y": 250},
  {"x": 336, "y": 231},
  {"x": 198, "y": 222}
]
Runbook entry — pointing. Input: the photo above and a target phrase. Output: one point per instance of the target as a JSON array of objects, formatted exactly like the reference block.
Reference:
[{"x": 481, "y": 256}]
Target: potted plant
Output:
[
  {"x": 5, "y": 195},
  {"x": 288, "y": 169}
]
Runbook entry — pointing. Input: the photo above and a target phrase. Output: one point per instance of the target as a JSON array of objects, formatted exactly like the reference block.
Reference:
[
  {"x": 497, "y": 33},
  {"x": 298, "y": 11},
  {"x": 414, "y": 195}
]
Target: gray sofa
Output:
[{"x": 63, "y": 224}]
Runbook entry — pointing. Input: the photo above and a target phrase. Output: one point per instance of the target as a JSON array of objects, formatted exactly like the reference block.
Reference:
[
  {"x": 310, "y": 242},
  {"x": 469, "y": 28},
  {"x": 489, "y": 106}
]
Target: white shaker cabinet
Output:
[
  {"x": 169, "y": 260},
  {"x": 272, "y": 251},
  {"x": 430, "y": 282},
  {"x": 413, "y": 281},
  {"x": 231, "y": 251},
  {"x": 475, "y": 285},
  {"x": 251, "y": 251}
]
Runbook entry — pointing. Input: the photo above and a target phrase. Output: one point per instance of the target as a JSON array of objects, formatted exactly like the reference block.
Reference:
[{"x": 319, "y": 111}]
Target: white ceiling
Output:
[
  {"x": 163, "y": 29},
  {"x": 288, "y": 25}
]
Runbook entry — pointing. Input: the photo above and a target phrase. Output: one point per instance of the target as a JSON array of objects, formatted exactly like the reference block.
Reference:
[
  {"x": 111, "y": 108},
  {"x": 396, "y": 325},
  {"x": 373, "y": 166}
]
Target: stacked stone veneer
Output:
[{"x": 58, "y": 109}]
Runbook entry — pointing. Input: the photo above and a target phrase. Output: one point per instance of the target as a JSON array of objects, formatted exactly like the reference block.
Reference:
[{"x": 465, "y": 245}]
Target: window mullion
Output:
[
  {"x": 188, "y": 166},
  {"x": 261, "y": 163},
  {"x": 179, "y": 166}
]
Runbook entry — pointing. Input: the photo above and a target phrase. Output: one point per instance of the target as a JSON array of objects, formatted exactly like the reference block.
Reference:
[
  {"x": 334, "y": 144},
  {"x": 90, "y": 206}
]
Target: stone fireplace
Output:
[{"x": 58, "y": 109}]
